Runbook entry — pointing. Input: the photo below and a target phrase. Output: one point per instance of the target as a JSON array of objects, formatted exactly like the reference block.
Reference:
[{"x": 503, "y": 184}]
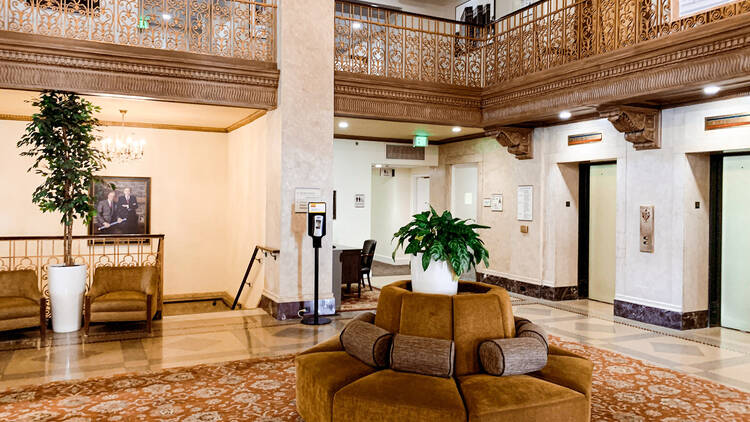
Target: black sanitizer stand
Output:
[{"x": 316, "y": 228}]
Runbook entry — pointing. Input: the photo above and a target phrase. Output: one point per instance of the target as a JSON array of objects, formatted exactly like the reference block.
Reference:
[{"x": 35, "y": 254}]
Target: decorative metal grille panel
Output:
[{"x": 403, "y": 152}]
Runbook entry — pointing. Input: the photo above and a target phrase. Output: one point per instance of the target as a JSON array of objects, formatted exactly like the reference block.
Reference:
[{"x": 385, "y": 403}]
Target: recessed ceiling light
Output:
[
  {"x": 356, "y": 25},
  {"x": 377, "y": 166},
  {"x": 343, "y": 125},
  {"x": 565, "y": 115},
  {"x": 456, "y": 129},
  {"x": 166, "y": 16},
  {"x": 711, "y": 90}
]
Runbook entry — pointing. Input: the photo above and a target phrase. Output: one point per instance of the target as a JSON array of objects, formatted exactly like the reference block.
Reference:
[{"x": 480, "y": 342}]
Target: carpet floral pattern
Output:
[
  {"x": 625, "y": 389},
  {"x": 368, "y": 301}
]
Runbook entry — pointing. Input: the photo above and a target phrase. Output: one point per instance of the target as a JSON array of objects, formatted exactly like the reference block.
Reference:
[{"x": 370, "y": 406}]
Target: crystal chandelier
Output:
[{"x": 123, "y": 147}]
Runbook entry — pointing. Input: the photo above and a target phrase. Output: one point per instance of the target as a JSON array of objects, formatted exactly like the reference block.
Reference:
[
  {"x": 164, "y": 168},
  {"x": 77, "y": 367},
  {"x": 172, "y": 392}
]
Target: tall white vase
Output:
[
  {"x": 437, "y": 279},
  {"x": 66, "y": 288}
]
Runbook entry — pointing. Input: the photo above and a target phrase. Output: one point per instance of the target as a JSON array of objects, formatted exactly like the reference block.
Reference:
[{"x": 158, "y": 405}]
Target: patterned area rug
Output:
[
  {"x": 368, "y": 301},
  {"x": 625, "y": 389}
]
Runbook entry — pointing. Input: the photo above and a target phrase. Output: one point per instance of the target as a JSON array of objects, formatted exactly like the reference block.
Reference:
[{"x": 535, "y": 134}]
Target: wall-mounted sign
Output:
[
  {"x": 420, "y": 141},
  {"x": 388, "y": 172},
  {"x": 525, "y": 203},
  {"x": 584, "y": 138},
  {"x": 302, "y": 196},
  {"x": 487, "y": 202},
  {"x": 359, "y": 200},
  {"x": 497, "y": 202},
  {"x": 647, "y": 228},
  {"x": 730, "y": 120}
]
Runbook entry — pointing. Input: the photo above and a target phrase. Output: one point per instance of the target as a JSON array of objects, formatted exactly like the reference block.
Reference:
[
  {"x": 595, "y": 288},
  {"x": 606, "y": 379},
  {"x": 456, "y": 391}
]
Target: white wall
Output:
[
  {"x": 352, "y": 174},
  {"x": 392, "y": 200}
]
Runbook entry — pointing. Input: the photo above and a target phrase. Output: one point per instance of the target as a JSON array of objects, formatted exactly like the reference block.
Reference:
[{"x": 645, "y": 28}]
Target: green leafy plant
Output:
[
  {"x": 61, "y": 140},
  {"x": 443, "y": 238}
]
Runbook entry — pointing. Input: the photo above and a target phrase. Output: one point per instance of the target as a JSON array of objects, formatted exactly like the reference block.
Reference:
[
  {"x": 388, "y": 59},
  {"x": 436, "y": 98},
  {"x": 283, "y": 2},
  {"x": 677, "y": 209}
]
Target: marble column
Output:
[{"x": 299, "y": 155}]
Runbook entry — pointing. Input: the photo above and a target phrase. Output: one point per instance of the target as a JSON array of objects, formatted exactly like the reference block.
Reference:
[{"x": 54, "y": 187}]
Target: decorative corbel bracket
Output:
[
  {"x": 641, "y": 126},
  {"x": 516, "y": 139}
]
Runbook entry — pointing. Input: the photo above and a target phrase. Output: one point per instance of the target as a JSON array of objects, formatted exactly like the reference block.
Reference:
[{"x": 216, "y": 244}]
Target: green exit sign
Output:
[{"x": 420, "y": 141}]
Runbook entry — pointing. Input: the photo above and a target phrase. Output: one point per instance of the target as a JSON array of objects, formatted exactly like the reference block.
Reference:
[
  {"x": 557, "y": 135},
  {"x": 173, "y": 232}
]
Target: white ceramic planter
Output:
[
  {"x": 66, "y": 288},
  {"x": 437, "y": 279}
]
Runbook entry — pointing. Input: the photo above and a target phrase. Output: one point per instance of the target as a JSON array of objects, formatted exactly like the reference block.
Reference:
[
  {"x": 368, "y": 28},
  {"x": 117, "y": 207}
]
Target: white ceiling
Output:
[{"x": 139, "y": 110}]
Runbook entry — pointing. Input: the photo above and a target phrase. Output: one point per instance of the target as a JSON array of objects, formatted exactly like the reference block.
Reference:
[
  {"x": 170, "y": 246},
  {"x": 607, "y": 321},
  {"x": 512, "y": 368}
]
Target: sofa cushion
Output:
[
  {"x": 512, "y": 356},
  {"x": 320, "y": 376},
  {"x": 388, "y": 395},
  {"x": 427, "y": 315},
  {"x": 125, "y": 300},
  {"x": 423, "y": 355},
  {"x": 520, "y": 398},
  {"x": 18, "y": 307},
  {"x": 388, "y": 315},
  {"x": 367, "y": 342},
  {"x": 526, "y": 328},
  {"x": 475, "y": 318}
]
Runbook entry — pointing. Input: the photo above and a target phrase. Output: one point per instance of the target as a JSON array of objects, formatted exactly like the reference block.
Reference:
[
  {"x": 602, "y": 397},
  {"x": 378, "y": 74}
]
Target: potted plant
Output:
[
  {"x": 61, "y": 140},
  {"x": 442, "y": 248}
]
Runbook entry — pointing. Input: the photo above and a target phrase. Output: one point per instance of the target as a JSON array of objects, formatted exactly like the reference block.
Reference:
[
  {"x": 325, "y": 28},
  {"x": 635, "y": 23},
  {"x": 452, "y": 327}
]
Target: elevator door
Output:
[
  {"x": 602, "y": 208},
  {"x": 735, "y": 243}
]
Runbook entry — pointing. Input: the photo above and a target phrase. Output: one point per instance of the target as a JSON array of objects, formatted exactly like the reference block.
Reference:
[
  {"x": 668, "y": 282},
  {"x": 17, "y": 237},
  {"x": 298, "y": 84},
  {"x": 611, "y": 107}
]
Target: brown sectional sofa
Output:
[{"x": 334, "y": 386}]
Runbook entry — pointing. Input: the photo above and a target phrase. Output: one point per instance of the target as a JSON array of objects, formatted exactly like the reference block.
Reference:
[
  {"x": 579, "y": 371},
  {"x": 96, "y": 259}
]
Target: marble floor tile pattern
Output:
[{"x": 716, "y": 354}]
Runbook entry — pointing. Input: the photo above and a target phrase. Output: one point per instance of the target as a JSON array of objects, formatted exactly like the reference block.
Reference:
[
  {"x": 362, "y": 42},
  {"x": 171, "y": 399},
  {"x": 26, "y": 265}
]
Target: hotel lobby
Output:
[{"x": 335, "y": 210}]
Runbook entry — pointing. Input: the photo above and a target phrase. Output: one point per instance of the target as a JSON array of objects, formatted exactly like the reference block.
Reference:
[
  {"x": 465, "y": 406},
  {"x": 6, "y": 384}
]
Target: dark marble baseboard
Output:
[
  {"x": 528, "y": 289},
  {"x": 661, "y": 317},
  {"x": 288, "y": 310}
]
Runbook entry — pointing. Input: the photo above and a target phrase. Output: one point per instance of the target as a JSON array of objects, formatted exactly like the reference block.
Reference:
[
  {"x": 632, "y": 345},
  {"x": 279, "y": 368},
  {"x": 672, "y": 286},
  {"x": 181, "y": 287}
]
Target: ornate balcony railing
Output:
[
  {"x": 542, "y": 36},
  {"x": 39, "y": 252},
  {"x": 394, "y": 44},
  {"x": 233, "y": 28}
]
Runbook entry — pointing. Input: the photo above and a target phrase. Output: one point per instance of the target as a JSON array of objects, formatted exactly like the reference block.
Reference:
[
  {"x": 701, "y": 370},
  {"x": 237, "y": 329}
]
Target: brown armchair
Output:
[
  {"x": 21, "y": 303},
  {"x": 122, "y": 294}
]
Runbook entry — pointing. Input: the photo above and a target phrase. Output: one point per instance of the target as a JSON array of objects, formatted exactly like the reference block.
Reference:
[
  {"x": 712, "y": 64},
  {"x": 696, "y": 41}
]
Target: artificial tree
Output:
[{"x": 61, "y": 139}]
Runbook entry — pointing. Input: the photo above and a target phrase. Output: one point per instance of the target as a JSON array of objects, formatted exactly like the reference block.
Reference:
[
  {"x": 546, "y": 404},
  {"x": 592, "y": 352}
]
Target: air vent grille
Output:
[{"x": 403, "y": 152}]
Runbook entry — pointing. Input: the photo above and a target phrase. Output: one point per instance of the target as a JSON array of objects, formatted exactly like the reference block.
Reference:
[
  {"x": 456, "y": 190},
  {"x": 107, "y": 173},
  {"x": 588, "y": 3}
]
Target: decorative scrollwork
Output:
[
  {"x": 516, "y": 139},
  {"x": 640, "y": 125}
]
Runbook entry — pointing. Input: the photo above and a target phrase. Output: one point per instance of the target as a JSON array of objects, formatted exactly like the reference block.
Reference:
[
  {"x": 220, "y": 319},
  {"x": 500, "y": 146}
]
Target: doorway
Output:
[
  {"x": 464, "y": 179},
  {"x": 421, "y": 194},
  {"x": 729, "y": 266},
  {"x": 597, "y": 231}
]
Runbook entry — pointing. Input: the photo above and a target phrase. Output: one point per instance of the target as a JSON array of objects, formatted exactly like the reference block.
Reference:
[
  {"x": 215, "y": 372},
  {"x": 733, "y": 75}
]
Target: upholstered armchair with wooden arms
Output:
[
  {"x": 122, "y": 294},
  {"x": 21, "y": 303}
]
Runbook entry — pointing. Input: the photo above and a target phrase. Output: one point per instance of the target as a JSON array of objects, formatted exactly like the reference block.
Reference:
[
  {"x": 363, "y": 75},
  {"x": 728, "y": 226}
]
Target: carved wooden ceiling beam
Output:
[
  {"x": 640, "y": 125},
  {"x": 516, "y": 139}
]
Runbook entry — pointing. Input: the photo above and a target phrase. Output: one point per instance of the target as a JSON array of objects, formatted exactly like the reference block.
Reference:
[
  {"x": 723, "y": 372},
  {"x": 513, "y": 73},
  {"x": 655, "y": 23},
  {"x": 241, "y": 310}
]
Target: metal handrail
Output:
[{"x": 266, "y": 251}]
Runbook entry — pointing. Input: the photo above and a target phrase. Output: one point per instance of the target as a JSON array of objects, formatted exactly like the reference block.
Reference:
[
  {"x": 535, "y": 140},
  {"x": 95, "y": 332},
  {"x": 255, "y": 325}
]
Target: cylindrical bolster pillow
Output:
[
  {"x": 525, "y": 328},
  {"x": 512, "y": 356},
  {"x": 422, "y": 355},
  {"x": 368, "y": 317},
  {"x": 366, "y": 342}
]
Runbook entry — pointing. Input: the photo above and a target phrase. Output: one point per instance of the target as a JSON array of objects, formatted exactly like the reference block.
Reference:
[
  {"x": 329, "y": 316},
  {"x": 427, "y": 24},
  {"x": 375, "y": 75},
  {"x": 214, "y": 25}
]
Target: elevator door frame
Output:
[
  {"x": 714, "y": 236},
  {"x": 584, "y": 210}
]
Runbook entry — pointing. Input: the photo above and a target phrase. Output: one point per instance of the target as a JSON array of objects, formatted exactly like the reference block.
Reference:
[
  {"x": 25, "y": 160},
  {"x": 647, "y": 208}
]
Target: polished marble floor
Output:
[{"x": 717, "y": 354}]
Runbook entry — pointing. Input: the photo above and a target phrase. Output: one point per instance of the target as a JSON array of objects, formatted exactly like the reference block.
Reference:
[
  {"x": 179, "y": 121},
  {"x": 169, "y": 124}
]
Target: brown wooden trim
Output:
[
  {"x": 36, "y": 62},
  {"x": 246, "y": 121},
  {"x": 462, "y": 138}
]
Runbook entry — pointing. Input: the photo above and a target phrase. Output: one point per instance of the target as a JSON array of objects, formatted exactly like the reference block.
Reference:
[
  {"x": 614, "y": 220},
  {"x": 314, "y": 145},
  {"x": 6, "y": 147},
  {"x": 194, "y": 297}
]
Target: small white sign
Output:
[
  {"x": 316, "y": 208},
  {"x": 487, "y": 202},
  {"x": 525, "y": 203},
  {"x": 468, "y": 198},
  {"x": 359, "y": 200},
  {"x": 302, "y": 196},
  {"x": 497, "y": 202}
]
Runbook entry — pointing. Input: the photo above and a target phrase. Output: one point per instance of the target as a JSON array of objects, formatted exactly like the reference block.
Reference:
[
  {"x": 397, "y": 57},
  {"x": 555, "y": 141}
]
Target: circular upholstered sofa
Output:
[{"x": 334, "y": 386}]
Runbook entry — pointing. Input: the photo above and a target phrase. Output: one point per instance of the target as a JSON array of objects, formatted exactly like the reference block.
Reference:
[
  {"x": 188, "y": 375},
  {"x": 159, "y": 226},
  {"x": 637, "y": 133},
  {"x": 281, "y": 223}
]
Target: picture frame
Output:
[
  {"x": 474, "y": 3},
  {"x": 124, "y": 210}
]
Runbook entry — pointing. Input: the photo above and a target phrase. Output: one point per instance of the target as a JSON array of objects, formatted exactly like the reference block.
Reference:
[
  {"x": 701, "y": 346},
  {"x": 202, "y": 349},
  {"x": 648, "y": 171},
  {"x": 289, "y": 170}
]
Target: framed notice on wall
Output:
[
  {"x": 497, "y": 202},
  {"x": 304, "y": 195},
  {"x": 525, "y": 202}
]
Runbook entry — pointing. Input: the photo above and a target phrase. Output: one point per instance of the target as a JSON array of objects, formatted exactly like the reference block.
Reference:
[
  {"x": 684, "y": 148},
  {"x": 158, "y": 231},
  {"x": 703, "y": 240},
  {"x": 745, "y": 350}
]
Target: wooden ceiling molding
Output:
[
  {"x": 36, "y": 62},
  {"x": 375, "y": 97},
  {"x": 673, "y": 68},
  {"x": 640, "y": 125},
  {"x": 516, "y": 139}
]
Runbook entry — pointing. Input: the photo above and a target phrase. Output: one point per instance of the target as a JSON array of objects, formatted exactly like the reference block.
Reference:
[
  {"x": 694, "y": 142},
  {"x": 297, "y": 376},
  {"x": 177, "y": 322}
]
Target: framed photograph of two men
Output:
[{"x": 123, "y": 206}]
